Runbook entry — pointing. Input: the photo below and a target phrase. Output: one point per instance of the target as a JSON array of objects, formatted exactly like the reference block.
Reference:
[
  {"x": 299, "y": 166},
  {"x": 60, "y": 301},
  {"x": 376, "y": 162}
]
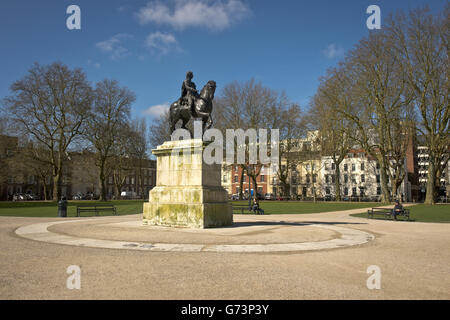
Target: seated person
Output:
[
  {"x": 255, "y": 208},
  {"x": 398, "y": 209}
]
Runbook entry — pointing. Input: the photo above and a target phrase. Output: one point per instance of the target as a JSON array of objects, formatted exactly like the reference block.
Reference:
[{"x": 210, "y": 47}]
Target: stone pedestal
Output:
[{"x": 188, "y": 191}]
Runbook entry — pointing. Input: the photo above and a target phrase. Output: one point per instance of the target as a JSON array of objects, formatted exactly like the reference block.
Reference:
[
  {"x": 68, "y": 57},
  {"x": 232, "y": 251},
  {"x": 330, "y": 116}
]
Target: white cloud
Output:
[
  {"x": 334, "y": 51},
  {"x": 163, "y": 43},
  {"x": 157, "y": 110},
  {"x": 215, "y": 14},
  {"x": 114, "y": 46},
  {"x": 94, "y": 64}
]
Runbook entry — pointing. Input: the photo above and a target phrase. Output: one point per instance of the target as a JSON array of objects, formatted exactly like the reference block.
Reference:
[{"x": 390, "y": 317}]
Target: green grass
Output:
[
  {"x": 50, "y": 209},
  {"x": 423, "y": 213},
  {"x": 299, "y": 207}
]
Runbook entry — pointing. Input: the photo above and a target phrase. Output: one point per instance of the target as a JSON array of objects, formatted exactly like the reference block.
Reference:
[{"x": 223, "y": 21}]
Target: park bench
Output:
[
  {"x": 386, "y": 212},
  {"x": 97, "y": 208},
  {"x": 242, "y": 208}
]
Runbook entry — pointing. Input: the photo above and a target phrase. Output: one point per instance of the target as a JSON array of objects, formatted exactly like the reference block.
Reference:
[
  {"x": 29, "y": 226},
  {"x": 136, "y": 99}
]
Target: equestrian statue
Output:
[{"x": 192, "y": 104}]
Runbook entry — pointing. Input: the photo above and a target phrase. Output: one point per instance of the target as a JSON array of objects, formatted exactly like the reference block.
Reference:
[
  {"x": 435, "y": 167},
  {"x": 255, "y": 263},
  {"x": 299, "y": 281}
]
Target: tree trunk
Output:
[
  {"x": 385, "y": 196},
  {"x": 57, "y": 187},
  {"x": 102, "y": 181},
  {"x": 44, "y": 185},
  {"x": 255, "y": 187},
  {"x": 431, "y": 182},
  {"x": 241, "y": 184},
  {"x": 337, "y": 181}
]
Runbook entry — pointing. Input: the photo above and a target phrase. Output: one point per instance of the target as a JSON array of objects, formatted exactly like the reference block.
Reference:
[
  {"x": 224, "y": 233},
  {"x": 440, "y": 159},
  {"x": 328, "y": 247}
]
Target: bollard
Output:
[{"x": 62, "y": 207}]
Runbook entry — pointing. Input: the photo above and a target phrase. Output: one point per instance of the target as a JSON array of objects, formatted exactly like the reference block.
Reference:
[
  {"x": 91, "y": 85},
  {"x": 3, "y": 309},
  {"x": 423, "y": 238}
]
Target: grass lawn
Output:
[
  {"x": 423, "y": 213},
  {"x": 50, "y": 209},
  {"x": 124, "y": 207},
  {"x": 299, "y": 207}
]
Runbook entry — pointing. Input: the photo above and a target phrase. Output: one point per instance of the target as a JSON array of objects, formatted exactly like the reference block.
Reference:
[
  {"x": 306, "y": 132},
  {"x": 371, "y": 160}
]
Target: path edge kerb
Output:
[{"x": 348, "y": 237}]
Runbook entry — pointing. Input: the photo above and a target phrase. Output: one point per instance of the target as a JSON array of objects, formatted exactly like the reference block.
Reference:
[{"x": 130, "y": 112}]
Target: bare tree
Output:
[
  {"x": 421, "y": 41},
  {"x": 50, "y": 105},
  {"x": 159, "y": 130},
  {"x": 291, "y": 130},
  {"x": 138, "y": 150},
  {"x": 111, "y": 110},
  {"x": 245, "y": 106},
  {"x": 335, "y": 130}
]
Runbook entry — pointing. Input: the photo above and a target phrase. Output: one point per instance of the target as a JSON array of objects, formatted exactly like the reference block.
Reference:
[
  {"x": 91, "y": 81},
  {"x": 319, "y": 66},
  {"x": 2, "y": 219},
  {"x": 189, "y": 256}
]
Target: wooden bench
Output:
[
  {"x": 244, "y": 207},
  {"x": 97, "y": 208},
  {"x": 387, "y": 212},
  {"x": 241, "y": 207}
]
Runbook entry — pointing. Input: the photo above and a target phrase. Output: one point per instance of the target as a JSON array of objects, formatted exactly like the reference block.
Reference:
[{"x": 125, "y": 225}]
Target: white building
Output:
[{"x": 359, "y": 177}]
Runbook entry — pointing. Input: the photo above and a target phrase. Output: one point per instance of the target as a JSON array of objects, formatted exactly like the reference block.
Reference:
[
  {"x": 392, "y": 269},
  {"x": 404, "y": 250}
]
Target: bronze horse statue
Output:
[{"x": 201, "y": 108}]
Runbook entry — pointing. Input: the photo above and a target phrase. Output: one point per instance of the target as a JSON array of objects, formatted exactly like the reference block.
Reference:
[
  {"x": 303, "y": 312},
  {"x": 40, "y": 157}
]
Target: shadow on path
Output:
[{"x": 284, "y": 223}]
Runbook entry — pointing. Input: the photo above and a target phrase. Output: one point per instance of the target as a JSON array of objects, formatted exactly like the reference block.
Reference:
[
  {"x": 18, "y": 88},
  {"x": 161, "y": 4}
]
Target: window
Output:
[
  {"x": 262, "y": 179},
  {"x": 345, "y": 167},
  {"x": 346, "y": 191},
  {"x": 314, "y": 178},
  {"x": 378, "y": 178},
  {"x": 308, "y": 178},
  {"x": 333, "y": 178},
  {"x": 378, "y": 191},
  {"x": 353, "y": 167},
  {"x": 345, "y": 178},
  {"x": 363, "y": 178},
  {"x": 327, "y": 178},
  {"x": 236, "y": 179},
  {"x": 378, "y": 165},
  {"x": 327, "y": 190},
  {"x": 362, "y": 166},
  {"x": 354, "y": 191},
  {"x": 353, "y": 179},
  {"x": 333, "y": 166}
]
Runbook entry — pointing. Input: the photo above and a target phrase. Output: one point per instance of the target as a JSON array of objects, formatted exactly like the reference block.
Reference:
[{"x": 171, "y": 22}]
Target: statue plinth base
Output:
[{"x": 188, "y": 191}]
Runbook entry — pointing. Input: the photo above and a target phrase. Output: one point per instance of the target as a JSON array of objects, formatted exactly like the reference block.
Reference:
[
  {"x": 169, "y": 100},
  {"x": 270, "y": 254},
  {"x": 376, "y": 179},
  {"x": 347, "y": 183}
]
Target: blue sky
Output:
[{"x": 149, "y": 45}]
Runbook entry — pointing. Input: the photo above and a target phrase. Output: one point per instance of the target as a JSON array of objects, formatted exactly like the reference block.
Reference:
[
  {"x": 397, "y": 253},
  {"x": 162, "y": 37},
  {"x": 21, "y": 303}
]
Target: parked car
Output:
[
  {"x": 31, "y": 196},
  {"x": 19, "y": 197},
  {"x": 128, "y": 195},
  {"x": 269, "y": 196},
  {"x": 90, "y": 196},
  {"x": 260, "y": 196},
  {"x": 78, "y": 196},
  {"x": 234, "y": 197}
]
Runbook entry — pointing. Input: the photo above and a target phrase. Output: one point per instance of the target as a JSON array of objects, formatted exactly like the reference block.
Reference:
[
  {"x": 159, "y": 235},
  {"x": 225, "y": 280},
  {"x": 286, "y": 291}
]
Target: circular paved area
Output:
[
  {"x": 413, "y": 258},
  {"x": 244, "y": 236}
]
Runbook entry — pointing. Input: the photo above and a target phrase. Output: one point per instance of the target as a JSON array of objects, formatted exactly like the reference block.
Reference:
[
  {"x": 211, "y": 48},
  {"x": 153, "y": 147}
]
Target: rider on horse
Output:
[{"x": 189, "y": 92}]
